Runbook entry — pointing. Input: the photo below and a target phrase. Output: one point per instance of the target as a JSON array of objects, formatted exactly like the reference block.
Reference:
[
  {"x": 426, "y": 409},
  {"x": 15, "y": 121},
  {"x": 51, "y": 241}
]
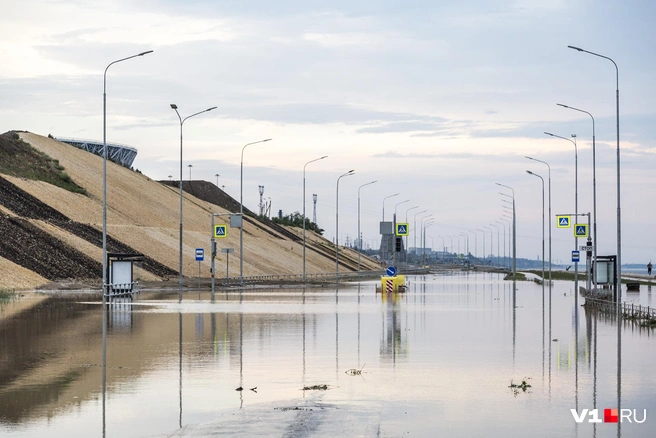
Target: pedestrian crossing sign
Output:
[
  {"x": 220, "y": 231},
  {"x": 402, "y": 229},
  {"x": 580, "y": 230},
  {"x": 563, "y": 221}
]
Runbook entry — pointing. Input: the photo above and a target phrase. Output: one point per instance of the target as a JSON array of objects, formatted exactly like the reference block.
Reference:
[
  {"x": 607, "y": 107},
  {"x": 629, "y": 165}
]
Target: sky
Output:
[{"x": 434, "y": 100}]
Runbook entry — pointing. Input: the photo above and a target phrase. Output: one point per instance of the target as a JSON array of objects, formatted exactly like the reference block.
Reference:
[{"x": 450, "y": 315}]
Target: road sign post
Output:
[
  {"x": 218, "y": 231},
  {"x": 227, "y": 252},
  {"x": 200, "y": 256}
]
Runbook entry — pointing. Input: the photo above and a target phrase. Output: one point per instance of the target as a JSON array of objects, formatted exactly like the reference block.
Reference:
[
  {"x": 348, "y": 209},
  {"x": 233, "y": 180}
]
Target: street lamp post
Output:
[
  {"x": 311, "y": 161},
  {"x": 394, "y": 221},
  {"x": 475, "y": 242},
  {"x": 618, "y": 285},
  {"x": 484, "y": 255},
  {"x": 491, "y": 244},
  {"x": 549, "y": 222},
  {"x": 514, "y": 230},
  {"x": 594, "y": 195},
  {"x": 349, "y": 173},
  {"x": 414, "y": 231},
  {"x": 359, "y": 236},
  {"x": 190, "y": 166},
  {"x": 217, "y": 179},
  {"x": 576, "y": 207},
  {"x": 175, "y": 108},
  {"x": 241, "y": 210},
  {"x": 104, "y": 212},
  {"x": 541, "y": 179},
  {"x": 498, "y": 251},
  {"x": 421, "y": 224},
  {"x": 504, "y": 223},
  {"x": 406, "y": 237},
  {"x": 385, "y": 238},
  {"x": 387, "y": 197}
]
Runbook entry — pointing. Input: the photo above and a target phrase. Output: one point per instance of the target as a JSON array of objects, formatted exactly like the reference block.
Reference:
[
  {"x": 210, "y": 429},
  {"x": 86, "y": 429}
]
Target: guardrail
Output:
[
  {"x": 629, "y": 310},
  {"x": 330, "y": 277},
  {"x": 122, "y": 289}
]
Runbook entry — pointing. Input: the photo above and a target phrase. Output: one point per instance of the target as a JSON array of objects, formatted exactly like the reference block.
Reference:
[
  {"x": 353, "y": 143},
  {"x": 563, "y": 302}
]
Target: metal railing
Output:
[{"x": 629, "y": 310}]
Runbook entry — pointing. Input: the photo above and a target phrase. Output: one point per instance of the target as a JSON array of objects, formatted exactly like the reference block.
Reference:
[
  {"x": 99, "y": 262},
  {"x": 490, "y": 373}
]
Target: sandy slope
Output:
[{"x": 145, "y": 215}]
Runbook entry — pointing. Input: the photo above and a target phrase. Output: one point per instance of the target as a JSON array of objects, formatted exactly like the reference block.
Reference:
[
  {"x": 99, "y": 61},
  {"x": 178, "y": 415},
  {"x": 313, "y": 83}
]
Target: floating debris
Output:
[
  {"x": 355, "y": 371},
  {"x": 239, "y": 389},
  {"x": 254, "y": 389},
  {"x": 522, "y": 386},
  {"x": 316, "y": 388}
]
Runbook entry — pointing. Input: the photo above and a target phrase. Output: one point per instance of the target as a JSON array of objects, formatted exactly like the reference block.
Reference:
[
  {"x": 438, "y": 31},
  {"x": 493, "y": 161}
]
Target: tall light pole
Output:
[
  {"x": 484, "y": 255},
  {"x": 241, "y": 210},
  {"x": 618, "y": 285},
  {"x": 387, "y": 197},
  {"x": 415, "y": 227},
  {"x": 549, "y": 222},
  {"x": 541, "y": 179},
  {"x": 349, "y": 173},
  {"x": 311, "y": 161},
  {"x": 594, "y": 194},
  {"x": 217, "y": 179},
  {"x": 491, "y": 244},
  {"x": 421, "y": 236},
  {"x": 190, "y": 166},
  {"x": 359, "y": 236},
  {"x": 406, "y": 237},
  {"x": 175, "y": 108},
  {"x": 514, "y": 228},
  {"x": 498, "y": 251},
  {"x": 104, "y": 213},
  {"x": 576, "y": 207},
  {"x": 504, "y": 223},
  {"x": 475, "y": 242}
]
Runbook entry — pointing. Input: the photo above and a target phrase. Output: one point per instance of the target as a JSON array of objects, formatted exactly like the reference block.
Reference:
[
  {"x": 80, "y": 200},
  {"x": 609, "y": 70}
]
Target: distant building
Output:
[{"x": 118, "y": 153}]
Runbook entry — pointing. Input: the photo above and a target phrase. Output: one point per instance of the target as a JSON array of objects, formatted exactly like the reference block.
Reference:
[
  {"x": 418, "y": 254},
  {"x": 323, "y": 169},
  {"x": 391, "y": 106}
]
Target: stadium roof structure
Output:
[{"x": 118, "y": 153}]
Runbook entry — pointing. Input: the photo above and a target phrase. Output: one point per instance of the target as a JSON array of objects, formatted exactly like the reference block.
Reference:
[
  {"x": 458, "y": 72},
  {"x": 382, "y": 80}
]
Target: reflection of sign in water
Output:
[{"x": 394, "y": 340}]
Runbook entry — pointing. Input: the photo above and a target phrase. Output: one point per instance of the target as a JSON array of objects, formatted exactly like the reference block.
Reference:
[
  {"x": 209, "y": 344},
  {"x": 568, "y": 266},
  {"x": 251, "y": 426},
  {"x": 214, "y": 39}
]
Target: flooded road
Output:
[{"x": 438, "y": 360}]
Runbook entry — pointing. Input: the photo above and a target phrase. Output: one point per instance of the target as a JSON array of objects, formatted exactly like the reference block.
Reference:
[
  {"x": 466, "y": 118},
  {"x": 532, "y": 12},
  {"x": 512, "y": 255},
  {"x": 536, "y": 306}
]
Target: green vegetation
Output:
[
  {"x": 296, "y": 220},
  {"x": 519, "y": 277},
  {"x": 6, "y": 294},
  {"x": 18, "y": 158}
]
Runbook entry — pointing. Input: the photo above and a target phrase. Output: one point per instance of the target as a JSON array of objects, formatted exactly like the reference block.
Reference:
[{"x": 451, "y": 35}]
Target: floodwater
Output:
[{"x": 435, "y": 361}]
